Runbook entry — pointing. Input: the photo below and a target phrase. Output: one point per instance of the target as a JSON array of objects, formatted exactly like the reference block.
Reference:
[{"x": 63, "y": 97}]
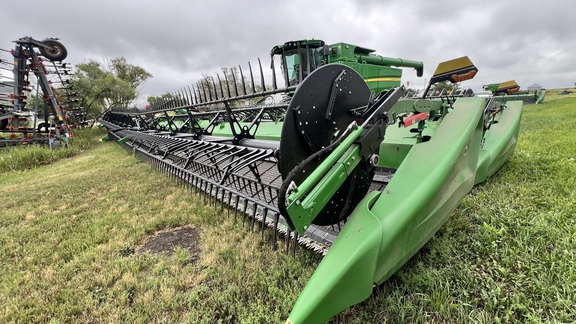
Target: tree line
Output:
[{"x": 116, "y": 83}]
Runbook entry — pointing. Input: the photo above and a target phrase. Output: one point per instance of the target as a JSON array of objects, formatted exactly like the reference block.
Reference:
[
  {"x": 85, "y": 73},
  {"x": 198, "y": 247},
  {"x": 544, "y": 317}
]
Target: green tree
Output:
[
  {"x": 132, "y": 74},
  {"x": 100, "y": 88},
  {"x": 444, "y": 87}
]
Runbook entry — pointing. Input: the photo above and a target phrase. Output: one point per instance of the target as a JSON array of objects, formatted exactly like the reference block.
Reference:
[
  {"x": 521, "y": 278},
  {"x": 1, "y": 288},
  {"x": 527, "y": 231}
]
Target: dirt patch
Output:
[{"x": 166, "y": 240}]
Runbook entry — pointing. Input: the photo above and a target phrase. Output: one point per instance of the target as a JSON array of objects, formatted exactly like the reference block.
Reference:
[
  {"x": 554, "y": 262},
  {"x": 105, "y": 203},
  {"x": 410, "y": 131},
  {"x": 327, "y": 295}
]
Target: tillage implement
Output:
[
  {"x": 339, "y": 160},
  {"x": 24, "y": 100}
]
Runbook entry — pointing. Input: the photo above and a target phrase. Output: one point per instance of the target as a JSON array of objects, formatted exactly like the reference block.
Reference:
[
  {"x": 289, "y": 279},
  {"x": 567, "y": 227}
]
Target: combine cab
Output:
[
  {"x": 300, "y": 58},
  {"x": 349, "y": 167}
]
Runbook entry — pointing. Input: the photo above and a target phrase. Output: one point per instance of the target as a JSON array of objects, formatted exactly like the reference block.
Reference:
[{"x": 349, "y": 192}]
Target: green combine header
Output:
[{"x": 348, "y": 166}]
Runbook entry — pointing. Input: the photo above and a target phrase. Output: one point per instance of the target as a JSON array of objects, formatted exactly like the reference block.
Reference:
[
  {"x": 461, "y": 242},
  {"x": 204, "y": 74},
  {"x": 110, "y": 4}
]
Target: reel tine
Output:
[
  {"x": 185, "y": 99},
  {"x": 214, "y": 87},
  {"x": 204, "y": 91},
  {"x": 190, "y": 96},
  {"x": 252, "y": 78},
  {"x": 261, "y": 76},
  {"x": 172, "y": 102},
  {"x": 274, "y": 85},
  {"x": 200, "y": 88},
  {"x": 164, "y": 103},
  {"x": 243, "y": 81},
  {"x": 211, "y": 90},
  {"x": 221, "y": 88},
  {"x": 202, "y": 99},
  {"x": 197, "y": 93},
  {"x": 233, "y": 72},
  {"x": 227, "y": 84}
]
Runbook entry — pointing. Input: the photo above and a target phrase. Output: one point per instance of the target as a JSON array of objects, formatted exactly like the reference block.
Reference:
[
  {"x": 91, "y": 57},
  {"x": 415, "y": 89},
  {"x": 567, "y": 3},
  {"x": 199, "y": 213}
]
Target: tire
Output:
[
  {"x": 55, "y": 52},
  {"x": 3, "y": 124}
]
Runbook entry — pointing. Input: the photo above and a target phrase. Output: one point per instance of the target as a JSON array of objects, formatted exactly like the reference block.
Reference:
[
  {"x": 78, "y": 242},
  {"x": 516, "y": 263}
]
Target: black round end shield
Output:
[{"x": 320, "y": 110}]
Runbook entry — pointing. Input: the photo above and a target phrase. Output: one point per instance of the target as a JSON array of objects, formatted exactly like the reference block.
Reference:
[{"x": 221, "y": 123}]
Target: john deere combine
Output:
[{"x": 348, "y": 166}]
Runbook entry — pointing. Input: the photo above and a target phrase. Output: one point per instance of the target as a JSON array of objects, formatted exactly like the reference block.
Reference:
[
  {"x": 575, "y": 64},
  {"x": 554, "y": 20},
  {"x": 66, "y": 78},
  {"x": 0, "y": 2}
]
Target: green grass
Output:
[
  {"x": 508, "y": 253},
  {"x": 68, "y": 231},
  {"x": 22, "y": 157}
]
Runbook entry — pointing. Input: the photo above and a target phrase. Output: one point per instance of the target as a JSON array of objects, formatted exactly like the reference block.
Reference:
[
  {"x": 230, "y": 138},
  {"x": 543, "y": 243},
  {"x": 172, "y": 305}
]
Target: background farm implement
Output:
[
  {"x": 510, "y": 91},
  {"x": 339, "y": 160},
  {"x": 34, "y": 111}
]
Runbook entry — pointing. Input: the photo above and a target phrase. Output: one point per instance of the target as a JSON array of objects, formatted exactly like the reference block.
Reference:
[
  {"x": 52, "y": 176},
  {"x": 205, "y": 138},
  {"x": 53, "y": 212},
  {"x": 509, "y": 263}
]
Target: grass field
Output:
[{"x": 71, "y": 225}]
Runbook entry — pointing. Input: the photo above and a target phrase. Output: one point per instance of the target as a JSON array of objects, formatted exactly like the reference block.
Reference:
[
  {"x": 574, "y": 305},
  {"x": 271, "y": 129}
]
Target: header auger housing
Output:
[{"x": 347, "y": 167}]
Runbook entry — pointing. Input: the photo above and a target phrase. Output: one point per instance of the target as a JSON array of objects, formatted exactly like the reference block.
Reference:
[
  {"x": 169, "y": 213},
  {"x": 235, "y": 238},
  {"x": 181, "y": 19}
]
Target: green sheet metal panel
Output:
[{"x": 386, "y": 229}]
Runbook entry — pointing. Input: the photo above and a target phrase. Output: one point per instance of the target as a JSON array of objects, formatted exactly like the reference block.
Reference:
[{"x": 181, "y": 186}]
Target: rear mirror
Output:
[
  {"x": 420, "y": 71},
  {"x": 326, "y": 50}
]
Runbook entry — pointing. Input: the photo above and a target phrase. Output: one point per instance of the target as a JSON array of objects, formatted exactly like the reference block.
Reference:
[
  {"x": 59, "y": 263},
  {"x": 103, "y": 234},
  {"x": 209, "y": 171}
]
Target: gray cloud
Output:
[{"x": 179, "y": 41}]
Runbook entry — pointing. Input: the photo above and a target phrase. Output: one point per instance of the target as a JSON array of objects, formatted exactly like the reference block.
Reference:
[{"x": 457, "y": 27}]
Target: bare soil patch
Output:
[{"x": 166, "y": 241}]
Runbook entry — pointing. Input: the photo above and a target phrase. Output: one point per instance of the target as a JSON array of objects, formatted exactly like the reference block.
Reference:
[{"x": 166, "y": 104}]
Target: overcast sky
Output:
[{"x": 177, "y": 41}]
